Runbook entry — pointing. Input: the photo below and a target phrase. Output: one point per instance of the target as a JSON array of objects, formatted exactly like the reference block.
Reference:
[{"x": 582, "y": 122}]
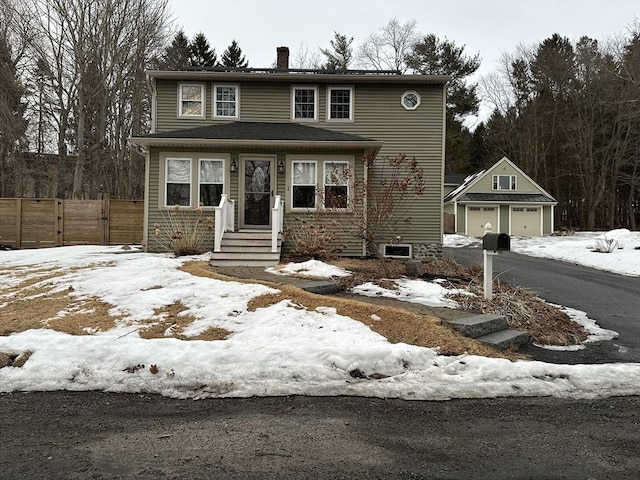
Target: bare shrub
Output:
[
  {"x": 312, "y": 236},
  {"x": 184, "y": 231},
  {"x": 605, "y": 245}
]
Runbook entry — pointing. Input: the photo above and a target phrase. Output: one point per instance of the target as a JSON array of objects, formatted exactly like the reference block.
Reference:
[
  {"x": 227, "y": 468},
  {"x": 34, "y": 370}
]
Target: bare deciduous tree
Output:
[{"x": 387, "y": 49}]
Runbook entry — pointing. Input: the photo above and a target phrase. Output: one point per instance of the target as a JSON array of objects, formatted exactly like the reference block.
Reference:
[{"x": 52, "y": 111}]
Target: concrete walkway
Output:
[{"x": 334, "y": 289}]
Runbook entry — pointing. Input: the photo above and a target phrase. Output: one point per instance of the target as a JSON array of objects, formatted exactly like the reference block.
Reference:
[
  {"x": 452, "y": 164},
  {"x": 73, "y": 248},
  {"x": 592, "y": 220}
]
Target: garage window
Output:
[{"x": 504, "y": 182}]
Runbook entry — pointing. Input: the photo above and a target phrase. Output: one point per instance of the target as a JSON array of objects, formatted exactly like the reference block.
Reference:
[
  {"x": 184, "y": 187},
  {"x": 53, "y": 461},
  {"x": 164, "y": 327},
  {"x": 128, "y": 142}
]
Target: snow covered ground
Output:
[
  {"x": 279, "y": 350},
  {"x": 578, "y": 248}
]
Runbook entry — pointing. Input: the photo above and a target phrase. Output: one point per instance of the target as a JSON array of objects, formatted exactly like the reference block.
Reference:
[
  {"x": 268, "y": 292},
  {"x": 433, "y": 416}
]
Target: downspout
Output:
[
  {"x": 444, "y": 135},
  {"x": 145, "y": 225},
  {"x": 364, "y": 200}
]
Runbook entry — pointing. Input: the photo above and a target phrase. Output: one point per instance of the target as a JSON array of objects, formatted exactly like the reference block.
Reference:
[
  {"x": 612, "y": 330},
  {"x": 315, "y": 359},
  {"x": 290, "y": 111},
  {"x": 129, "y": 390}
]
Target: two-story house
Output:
[
  {"x": 504, "y": 196},
  {"x": 260, "y": 147}
]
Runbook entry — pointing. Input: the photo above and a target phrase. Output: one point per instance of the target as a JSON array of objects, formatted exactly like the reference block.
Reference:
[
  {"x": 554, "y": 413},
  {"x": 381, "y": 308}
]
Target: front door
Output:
[{"x": 257, "y": 192}]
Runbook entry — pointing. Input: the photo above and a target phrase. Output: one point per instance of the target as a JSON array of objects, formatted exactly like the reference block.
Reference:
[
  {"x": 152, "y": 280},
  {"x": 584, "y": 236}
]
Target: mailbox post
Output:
[{"x": 492, "y": 244}]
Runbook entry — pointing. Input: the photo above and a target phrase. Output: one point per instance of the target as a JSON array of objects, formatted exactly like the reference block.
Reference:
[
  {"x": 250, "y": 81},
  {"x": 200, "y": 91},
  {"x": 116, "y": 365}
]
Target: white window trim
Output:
[
  {"x": 200, "y": 182},
  {"x": 166, "y": 181},
  {"x": 195, "y": 157},
  {"x": 215, "y": 100},
  {"x": 410, "y": 92},
  {"x": 315, "y": 185},
  {"x": 315, "y": 103},
  {"x": 202, "y": 96},
  {"x": 320, "y": 161},
  {"x": 351, "y": 102},
  {"x": 324, "y": 185},
  {"x": 513, "y": 181}
]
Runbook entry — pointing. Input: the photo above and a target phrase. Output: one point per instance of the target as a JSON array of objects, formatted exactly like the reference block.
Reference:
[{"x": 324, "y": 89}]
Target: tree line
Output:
[{"x": 72, "y": 80}]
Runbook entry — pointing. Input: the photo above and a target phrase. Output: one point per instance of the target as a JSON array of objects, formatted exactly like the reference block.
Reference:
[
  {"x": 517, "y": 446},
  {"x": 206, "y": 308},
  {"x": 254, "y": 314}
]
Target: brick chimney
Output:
[{"x": 282, "y": 59}]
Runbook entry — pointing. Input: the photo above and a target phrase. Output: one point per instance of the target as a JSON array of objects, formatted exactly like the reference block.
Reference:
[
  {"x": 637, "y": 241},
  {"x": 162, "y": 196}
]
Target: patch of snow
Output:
[{"x": 310, "y": 268}]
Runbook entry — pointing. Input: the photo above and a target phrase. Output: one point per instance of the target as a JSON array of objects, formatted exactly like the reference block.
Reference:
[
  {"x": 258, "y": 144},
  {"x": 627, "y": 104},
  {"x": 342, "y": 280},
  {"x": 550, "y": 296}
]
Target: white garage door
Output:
[
  {"x": 478, "y": 217},
  {"x": 525, "y": 221}
]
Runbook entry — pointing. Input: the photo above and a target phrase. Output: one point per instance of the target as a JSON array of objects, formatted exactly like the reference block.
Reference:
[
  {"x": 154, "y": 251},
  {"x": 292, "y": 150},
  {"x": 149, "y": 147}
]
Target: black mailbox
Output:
[{"x": 496, "y": 242}]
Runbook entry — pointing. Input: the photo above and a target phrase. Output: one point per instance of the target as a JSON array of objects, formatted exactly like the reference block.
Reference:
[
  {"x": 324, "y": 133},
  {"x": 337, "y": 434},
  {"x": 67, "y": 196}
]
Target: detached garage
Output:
[{"x": 504, "y": 196}]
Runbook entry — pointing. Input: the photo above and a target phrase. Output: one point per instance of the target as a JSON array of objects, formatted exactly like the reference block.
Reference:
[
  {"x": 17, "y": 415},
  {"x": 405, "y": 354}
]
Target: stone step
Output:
[
  {"x": 505, "y": 339},
  {"x": 479, "y": 325}
]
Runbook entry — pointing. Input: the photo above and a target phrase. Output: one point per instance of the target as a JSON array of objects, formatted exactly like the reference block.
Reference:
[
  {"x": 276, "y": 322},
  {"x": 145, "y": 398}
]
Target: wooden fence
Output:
[
  {"x": 50, "y": 222},
  {"x": 449, "y": 223}
]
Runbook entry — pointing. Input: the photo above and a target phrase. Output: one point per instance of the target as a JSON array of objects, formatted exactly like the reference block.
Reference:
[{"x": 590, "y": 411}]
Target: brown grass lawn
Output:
[{"x": 35, "y": 302}]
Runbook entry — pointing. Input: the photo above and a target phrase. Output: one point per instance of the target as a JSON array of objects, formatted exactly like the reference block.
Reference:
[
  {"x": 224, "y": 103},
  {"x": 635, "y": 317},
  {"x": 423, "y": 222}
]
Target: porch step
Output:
[
  {"x": 246, "y": 248},
  {"x": 490, "y": 329},
  {"x": 242, "y": 262}
]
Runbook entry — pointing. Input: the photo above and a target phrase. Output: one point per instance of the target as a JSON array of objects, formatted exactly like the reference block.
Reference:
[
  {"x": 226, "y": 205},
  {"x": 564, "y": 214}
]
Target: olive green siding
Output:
[
  {"x": 340, "y": 224},
  {"x": 377, "y": 115},
  {"x": 547, "y": 216},
  {"x": 485, "y": 184},
  {"x": 504, "y": 219},
  {"x": 461, "y": 219}
]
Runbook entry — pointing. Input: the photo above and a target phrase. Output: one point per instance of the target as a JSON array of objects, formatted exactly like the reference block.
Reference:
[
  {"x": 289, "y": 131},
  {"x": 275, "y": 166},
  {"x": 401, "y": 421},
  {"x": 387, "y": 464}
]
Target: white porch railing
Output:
[
  {"x": 277, "y": 222},
  {"x": 224, "y": 220}
]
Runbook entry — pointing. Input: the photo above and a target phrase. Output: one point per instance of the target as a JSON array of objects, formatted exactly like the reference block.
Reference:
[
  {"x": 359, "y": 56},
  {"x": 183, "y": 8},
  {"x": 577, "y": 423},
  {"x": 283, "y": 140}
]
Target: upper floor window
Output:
[
  {"x": 178, "y": 184},
  {"x": 340, "y": 103},
  {"x": 191, "y": 100},
  {"x": 410, "y": 100},
  {"x": 225, "y": 101},
  {"x": 504, "y": 182},
  {"x": 304, "y": 103}
]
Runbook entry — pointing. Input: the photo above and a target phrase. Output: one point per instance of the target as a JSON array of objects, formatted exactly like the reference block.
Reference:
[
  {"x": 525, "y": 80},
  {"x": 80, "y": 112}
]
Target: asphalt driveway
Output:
[{"x": 610, "y": 299}]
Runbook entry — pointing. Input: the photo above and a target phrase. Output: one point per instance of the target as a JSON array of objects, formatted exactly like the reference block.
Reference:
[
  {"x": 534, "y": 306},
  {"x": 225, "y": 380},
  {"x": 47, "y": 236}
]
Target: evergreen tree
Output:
[
  {"x": 200, "y": 52},
  {"x": 176, "y": 55},
  {"x": 341, "y": 53},
  {"x": 432, "y": 56},
  {"x": 12, "y": 122},
  {"x": 233, "y": 57}
]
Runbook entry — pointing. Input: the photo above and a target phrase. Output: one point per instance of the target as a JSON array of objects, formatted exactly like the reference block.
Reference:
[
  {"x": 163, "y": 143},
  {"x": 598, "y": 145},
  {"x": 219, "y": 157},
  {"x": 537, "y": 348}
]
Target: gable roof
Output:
[
  {"x": 258, "y": 134},
  {"x": 298, "y": 76},
  {"x": 460, "y": 194}
]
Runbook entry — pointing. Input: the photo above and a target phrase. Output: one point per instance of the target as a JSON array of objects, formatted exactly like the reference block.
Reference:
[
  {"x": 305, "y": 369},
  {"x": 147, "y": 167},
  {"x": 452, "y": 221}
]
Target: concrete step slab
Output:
[
  {"x": 505, "y": 339},
  {"x": 479, "y": 325}
]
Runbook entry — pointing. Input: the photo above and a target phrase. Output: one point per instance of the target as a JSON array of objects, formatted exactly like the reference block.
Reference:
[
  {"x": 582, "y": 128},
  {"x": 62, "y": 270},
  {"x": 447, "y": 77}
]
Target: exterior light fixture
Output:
[
  {"x": 281, "y": 166},
  {"x": 234, "y": 165}
]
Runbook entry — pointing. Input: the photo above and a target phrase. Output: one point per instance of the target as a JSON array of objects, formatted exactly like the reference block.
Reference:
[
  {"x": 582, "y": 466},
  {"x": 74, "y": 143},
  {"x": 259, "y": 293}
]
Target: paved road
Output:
[
  {"x": 612, "y": 300},
  {"x": 92, "y": 435}
]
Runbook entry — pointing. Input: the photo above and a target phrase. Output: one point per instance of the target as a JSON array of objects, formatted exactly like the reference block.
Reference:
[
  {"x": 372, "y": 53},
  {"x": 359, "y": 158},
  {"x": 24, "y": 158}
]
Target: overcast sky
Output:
[{"x": 487, "y": 27}]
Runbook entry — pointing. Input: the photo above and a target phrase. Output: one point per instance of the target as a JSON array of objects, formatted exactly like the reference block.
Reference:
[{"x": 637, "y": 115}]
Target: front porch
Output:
[{"x": 246, "y": 247}]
